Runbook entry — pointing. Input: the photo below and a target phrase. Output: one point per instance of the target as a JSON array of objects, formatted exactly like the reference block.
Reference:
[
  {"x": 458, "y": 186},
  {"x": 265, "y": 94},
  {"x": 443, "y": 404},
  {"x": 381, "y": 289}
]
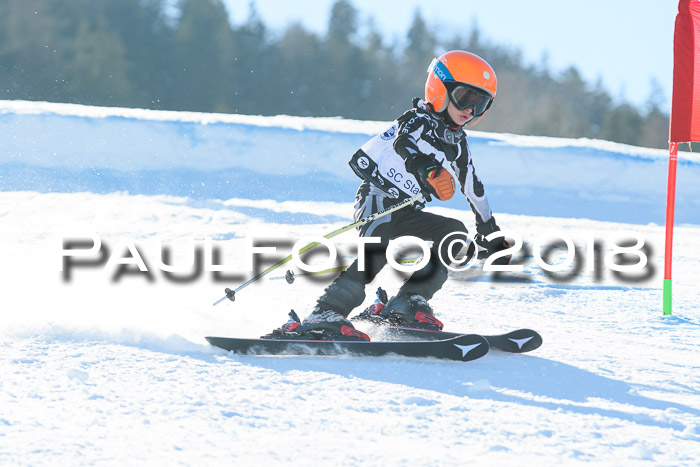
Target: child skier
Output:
[{"x": 411, "y": 157}]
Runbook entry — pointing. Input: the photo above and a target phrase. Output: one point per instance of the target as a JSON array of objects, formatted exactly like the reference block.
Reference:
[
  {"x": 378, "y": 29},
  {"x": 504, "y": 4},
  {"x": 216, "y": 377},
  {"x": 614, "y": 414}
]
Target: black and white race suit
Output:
[{"x": 417, "y": 130}]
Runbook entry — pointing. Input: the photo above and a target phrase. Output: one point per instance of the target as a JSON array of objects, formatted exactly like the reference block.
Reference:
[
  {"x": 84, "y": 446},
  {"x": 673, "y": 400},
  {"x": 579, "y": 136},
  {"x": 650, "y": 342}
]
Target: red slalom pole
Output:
[{"x": 670, "y": 206}]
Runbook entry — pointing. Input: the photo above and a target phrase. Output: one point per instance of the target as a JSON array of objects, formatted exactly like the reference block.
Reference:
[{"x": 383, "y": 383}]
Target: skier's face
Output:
[{"x": 460, "y": 117}]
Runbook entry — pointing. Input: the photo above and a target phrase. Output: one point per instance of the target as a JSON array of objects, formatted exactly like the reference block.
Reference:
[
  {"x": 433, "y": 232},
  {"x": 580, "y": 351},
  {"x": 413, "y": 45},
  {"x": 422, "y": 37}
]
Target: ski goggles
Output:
[{"x": 463, "y": 97}]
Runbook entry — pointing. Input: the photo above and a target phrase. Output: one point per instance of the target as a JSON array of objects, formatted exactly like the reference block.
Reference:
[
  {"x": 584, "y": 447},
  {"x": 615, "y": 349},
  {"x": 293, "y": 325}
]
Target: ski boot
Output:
[
  {"x": 403, "y": 310},
  {"x": 319, "y": 325},
  {"x": 373, "y": 312}
]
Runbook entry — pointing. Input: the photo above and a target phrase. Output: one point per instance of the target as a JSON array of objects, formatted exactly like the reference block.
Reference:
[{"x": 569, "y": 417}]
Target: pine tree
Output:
[{"x": 204, "y": 57}]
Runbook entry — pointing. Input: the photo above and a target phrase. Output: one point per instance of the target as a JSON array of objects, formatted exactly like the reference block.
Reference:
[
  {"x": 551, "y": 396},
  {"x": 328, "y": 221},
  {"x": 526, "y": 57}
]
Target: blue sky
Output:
[{"x": 625, "y": 43}]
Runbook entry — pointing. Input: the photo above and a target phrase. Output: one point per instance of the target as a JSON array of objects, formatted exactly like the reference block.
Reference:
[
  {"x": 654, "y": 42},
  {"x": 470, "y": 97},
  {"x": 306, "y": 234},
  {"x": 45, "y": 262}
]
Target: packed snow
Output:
[{"x": 104, "y": 359}]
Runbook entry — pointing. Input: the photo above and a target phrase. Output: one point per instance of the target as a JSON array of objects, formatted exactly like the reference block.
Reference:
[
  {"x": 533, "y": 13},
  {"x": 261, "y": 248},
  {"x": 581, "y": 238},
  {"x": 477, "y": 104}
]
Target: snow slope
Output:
[
  {"x": 109, "y": 366},
  {"x": 68, "y": 148}
]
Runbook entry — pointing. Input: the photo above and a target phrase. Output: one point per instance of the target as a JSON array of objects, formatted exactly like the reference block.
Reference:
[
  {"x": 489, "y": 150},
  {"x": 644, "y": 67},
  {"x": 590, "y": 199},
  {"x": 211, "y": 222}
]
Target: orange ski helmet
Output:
[{"x": 455, "y": 68}]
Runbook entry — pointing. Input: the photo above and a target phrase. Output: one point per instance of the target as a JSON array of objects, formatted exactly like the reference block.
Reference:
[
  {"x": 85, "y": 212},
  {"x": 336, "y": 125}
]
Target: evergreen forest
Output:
[{"x": 189, "y": 55}]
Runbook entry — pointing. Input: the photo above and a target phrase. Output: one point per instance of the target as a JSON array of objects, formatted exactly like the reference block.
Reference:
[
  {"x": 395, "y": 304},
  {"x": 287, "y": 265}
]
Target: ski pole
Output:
[
  {"x": 231, "y": 294},
  {"x": 290, "y": 276}
]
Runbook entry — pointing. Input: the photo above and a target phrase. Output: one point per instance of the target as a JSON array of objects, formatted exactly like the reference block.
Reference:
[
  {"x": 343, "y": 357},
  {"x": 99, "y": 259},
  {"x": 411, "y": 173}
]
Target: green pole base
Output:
[{"x": 667, "y": 297}]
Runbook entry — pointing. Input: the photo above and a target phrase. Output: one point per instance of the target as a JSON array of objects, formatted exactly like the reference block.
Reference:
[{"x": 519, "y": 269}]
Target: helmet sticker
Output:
[{"x": 441, "y": 71}]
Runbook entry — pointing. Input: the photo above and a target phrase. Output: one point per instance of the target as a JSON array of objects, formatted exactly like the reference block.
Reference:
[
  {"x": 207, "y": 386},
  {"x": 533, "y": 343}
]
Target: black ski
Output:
[
  {"x": 518, "y": 341},
  {"x": 460, "y": 347}
]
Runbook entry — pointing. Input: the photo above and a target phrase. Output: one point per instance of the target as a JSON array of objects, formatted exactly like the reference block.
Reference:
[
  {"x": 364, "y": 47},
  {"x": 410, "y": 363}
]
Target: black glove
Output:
[
  {"x": 432, "y": 177},
  {"x": 420, "y": 166},
  {"x": 484, "y": 229}
]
